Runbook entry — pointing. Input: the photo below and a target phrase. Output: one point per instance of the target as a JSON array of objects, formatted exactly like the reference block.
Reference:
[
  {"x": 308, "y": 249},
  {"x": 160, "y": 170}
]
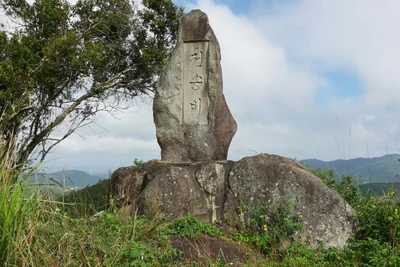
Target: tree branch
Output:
[{"x": 60, "y": 118}]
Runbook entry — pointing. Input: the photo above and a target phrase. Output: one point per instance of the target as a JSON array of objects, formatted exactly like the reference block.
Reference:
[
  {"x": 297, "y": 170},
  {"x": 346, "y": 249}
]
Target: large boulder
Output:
[
  {"x": 270, "y": 179},
  {"x": 193, "y": 121},
  {"x": 126, "y": 183},
  {"x": 172, "y": 189}
]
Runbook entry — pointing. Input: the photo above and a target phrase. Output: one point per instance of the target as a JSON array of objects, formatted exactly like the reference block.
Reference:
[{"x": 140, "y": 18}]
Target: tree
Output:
[{"x": 60, "y": 64}]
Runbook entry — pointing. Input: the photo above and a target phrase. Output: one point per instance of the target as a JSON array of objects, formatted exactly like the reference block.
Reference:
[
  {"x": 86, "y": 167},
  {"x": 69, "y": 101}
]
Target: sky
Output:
[{"x": 302, "y": 78}]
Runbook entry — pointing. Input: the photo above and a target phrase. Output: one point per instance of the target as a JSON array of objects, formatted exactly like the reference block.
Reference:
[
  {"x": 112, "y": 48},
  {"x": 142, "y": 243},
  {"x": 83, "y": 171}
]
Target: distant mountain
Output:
[
  {"x": 71, "y": 178},
  {"x": 385, "y": 169}
]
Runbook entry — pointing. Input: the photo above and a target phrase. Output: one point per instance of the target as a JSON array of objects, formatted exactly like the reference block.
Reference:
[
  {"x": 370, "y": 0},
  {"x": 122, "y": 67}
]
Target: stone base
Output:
[{"x": 214, "y": 190}]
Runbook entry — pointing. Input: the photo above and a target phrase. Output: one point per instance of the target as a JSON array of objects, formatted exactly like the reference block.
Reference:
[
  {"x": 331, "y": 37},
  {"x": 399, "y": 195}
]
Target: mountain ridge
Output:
[
  {"x": 384, "y": 169},
  {"x": 70, "y": 178}
]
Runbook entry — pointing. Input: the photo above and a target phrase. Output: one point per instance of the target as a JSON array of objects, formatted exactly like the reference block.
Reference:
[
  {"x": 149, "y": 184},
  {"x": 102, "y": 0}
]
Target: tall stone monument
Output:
[
  {"x": 194, "y": 124},
  {"x": 192, "y": 119}
]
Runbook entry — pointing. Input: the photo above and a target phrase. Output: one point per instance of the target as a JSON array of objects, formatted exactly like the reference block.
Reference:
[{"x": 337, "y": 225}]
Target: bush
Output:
[
  {"x": 191, "y": 227},
  {"x": 86, "y": 201},
  {"x": 379, "y": 219},
  {"x": 326, "y": 176},
  {"x": 349, "y": 190},
  {"x": 270, "y": 224}
]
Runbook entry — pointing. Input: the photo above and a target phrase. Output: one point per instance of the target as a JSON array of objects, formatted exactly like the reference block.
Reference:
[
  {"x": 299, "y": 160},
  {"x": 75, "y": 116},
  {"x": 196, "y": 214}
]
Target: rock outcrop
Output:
[
  {"x": 271, "y": 179},
  {"x": 214, "y": 190},
  {"x": 173, "y": 189},
  {"x": 193, "y": 121}
]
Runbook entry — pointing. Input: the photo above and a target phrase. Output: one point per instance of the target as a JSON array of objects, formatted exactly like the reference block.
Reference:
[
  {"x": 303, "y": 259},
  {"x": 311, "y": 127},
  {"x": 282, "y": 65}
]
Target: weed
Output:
[
  {"x": 379, "y": 219},
  {"x": 349, "y": 190},
  {"x": 137, "y": 162},
  {"x": 192, "y": 227},
  {"x": 270, "y": 225},
  {"x": 14, "y": 209},
  {"x": 326, "y": 175}
]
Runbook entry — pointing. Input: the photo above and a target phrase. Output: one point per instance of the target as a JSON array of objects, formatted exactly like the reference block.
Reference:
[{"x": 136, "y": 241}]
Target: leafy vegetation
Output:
[
  {"x": 270, "y": 226},
  {"x": 62, "y": 63},
  {"x": 15, "y": 209},
  {"x": 192, "y": 228},
  {"x": 87, "y": 201},
  {"x": 326, "y": 175},
  {"x": 137, "y": 162}
]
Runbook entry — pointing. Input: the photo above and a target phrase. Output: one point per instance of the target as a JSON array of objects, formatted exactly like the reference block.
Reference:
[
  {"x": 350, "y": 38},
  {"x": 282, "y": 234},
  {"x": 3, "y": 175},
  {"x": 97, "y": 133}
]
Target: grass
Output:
[
  {"x": 37, "y": 231},
  {"x": 14, "y": 211}
]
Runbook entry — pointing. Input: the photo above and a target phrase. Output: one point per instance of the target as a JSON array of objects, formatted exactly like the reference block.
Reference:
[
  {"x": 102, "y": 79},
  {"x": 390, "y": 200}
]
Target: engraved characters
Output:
[{"x": 195, "y": 97}]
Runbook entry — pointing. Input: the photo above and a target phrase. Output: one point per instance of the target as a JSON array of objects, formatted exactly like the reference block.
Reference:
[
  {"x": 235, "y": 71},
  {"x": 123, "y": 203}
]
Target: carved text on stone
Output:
[{"x": 195, "y": 97}]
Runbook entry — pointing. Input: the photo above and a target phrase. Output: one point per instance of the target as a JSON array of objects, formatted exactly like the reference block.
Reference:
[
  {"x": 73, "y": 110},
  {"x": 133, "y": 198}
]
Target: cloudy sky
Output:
[{"x": 303, "y": 79}]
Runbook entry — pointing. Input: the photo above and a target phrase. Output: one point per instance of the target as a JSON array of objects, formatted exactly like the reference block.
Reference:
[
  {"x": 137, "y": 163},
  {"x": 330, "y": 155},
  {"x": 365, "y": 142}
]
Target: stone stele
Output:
[{"x": 192, "y": 119}]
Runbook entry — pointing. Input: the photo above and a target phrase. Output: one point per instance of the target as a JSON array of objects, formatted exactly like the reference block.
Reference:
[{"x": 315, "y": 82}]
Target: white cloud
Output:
[
  {"x": 127, "y": 132},
  {"x": 253, "y": 67},
  {"x": 359, "y": 35},
  {"x": 273, "y": 64},
  {"x": 109, "y": 144},
  {"x": 348, "y": 36}
]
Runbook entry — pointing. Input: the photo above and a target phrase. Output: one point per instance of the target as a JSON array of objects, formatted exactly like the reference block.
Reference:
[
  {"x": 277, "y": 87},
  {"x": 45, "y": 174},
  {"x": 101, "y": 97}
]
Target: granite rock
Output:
[{"x": 193, "y": 121}]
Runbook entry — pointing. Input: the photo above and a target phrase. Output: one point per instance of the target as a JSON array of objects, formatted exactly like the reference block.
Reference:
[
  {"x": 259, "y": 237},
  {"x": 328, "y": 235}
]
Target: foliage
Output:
[
  {"x": 271, "y": 224},
  {"x": 62, "y": 63},
  {"x": 371, "y": 252},
  {"x": 89, "y": 200},
  {"x": 298, "y": 254},
  {"x": 326, "y": 175},
  {"x": 59, "y": 240},
  {"x": 191, "y": 227},
  {"x": 137, "y": 250},
  {"x": 347, "y": 186},
  {"x": 379, "y": 219},
  {"x": 14, "y": 209},
  {"x": 137, "y": 162},
  {"x": 349, "y": 190}
]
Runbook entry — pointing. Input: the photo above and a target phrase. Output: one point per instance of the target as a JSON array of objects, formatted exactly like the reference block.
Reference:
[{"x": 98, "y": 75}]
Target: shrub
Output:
[
  {"x": 326, "y": 175},
  {"x": 192, "y": 227},
  {"x": 349, "y": 190},
  {"x": 270, "y": 225},
  {"x": 379, "y": 219}
]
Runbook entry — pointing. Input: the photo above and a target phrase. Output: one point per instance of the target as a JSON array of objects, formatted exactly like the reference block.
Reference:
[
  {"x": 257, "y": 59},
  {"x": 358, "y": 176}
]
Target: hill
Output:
[
  {"x": 385, "y": 169},
  {"x": 88, "y": 200}
]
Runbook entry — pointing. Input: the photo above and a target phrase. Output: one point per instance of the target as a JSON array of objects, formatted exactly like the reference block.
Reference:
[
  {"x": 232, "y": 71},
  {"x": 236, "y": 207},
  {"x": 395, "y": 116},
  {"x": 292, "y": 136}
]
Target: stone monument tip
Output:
[{"x": 194, "y": 26}]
